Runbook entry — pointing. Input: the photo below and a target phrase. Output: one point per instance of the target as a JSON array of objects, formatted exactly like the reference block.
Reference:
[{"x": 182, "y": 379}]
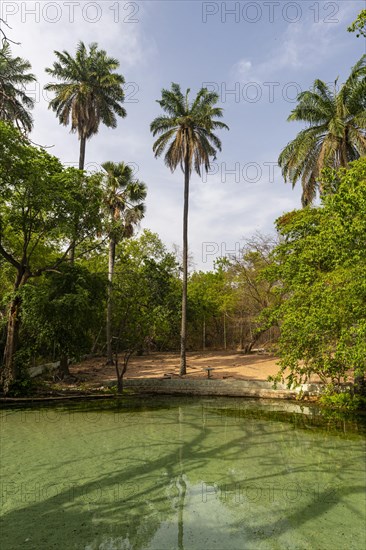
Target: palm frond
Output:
[
  {"x": 89, "y": 92},
  {"x": 186, "y": 130},
  {"x": 336, "y": 130},
  {"x": 15, "y": 104}
]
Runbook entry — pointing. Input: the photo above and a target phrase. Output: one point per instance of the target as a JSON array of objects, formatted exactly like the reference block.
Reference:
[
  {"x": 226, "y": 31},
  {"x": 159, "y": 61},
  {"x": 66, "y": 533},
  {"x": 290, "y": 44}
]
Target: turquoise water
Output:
[{"x": 177, "y": 473}]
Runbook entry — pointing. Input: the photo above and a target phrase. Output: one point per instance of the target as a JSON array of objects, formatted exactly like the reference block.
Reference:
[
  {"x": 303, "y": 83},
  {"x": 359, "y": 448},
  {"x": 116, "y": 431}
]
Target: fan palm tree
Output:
[
  {"x": 123, "y": 199},
  {"x": 15, "y": 104},
  {"x": 186, "y": 135},
  {"x": 335, "y": 133},
  {"x": 89, "y": 92}
]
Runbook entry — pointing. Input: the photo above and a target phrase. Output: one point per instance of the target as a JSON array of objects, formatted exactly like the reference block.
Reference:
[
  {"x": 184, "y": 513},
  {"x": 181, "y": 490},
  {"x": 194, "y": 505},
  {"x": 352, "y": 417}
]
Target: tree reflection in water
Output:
[{"x": 132, "y": 478}]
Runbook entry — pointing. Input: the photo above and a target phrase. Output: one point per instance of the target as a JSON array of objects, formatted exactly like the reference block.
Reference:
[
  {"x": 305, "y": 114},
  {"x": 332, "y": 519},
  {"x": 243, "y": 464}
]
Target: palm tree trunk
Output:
[
  {"x": 81, "y": 167},
  {"x": 82, "y": 153},
  {"x": 111, "y": 259},
  {"x": 183, "y": 334},
  {"x": 225, "y": 342},
  {"x": 64, "y": 361},
  {"x": 344, "y": 158}
]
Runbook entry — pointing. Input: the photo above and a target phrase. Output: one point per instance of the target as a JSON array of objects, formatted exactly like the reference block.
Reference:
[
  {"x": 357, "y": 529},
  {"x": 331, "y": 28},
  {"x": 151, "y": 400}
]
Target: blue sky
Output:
[{"x": 258, "y": 57}]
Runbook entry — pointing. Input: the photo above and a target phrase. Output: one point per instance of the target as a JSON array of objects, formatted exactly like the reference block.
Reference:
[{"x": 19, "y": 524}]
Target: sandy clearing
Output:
[{"x": 224, "y": 364}]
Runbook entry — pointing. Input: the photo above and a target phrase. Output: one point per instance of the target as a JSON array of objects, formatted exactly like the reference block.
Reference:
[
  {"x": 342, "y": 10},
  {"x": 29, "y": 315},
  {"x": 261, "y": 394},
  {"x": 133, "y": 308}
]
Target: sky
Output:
[{"x": 257, "y": 55}]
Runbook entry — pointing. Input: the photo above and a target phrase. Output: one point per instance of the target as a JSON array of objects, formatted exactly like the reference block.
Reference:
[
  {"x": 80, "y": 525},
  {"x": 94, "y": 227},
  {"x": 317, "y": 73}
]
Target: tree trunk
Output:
[
  {"x": 63, "y": 369},
  {"x": 81, "y": 167},
  {"x": 254, "y": 339},
  {"x": 120, "y": 385},
  {"x": 204, "y": 334},
  {"x": 183, "y": 334},
  {"x": 10, "y": 370},
  {"x": 121, "y": 374},
  {"x": 248, "y": 347},
  {"x": 241, "y": 333},
  {"x": 111, "y": 259},
  {"x": 225, "y": 343},
  {"x": 94, "y": 346},
  {"x": 82, "y": 153},
  {"x": 72, "y": 253}
]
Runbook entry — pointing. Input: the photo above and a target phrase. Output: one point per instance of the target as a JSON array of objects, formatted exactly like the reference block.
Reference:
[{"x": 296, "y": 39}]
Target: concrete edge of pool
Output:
[
  {"x": 222, "y": 388},
  {"x": 204, "y": 387}
]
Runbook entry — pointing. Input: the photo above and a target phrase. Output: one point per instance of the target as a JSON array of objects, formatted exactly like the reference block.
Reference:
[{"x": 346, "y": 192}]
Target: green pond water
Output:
[{"x": 181, "y": 473}]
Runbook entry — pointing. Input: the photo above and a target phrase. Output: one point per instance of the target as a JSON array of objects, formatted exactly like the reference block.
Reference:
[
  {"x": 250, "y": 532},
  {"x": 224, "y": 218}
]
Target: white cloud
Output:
[
  {"x": 304, "y": 45},
  {"x": 244, "y": 67}
]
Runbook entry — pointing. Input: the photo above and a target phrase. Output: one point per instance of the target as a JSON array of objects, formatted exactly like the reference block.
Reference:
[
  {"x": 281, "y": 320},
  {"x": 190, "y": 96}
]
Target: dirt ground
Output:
[{"x": 256, "y": 366}]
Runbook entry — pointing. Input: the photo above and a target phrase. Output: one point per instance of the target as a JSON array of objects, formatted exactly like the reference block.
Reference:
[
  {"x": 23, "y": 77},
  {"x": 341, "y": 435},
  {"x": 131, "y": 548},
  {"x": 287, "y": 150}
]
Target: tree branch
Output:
[
  {"x": 9, "y": 258},
  {"x": 4, "y": 37}
]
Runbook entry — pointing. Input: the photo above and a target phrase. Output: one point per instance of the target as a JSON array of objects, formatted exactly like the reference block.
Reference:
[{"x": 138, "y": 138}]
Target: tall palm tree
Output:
[
  {"x": 15, "y": 104},
  {"x": 90, "y": 92},
  {"x": 123, "y": 199},
  {"x": 186, "y": 134},
  {"x": 335, "y": 133}
]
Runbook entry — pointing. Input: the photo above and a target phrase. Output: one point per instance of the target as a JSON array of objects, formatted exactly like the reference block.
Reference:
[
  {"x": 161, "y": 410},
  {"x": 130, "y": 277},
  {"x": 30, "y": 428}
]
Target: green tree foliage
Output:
[
  {"x": 15, "y": 104},
  {"x": 89, "y": 92},
  {"x": 335, "y": 132},
  {"x": 146, "y": 295},
  {"x": 319, "y": 267},
  {"x": 62, "y": 312},
  {"x": 359, "y": 25},
  {"x": 225, "y": 305},
  {"x": 42, "y": 206},
  {"x": 210, "y": 299},
  {"x": 252, "y": 292},
  {"x": 186, "y": 136}
]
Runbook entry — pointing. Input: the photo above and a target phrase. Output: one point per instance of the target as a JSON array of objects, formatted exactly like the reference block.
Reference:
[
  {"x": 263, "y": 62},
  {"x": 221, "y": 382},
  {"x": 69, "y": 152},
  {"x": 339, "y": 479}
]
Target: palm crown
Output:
[
  {"x": 123, "y": 198},
  {"x": 14, "y": 102},
  {"x": 186, "y": 131},
  {"x": 90, "y": 92},
  {"x": 335, "y": 134}
]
